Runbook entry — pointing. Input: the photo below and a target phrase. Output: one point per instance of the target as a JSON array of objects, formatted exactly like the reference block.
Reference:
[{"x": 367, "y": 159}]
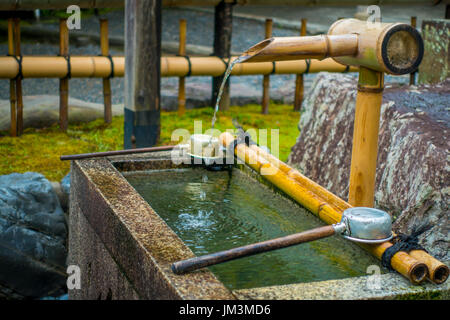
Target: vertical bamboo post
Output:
[
  {"x": 63, "y": 82},
  {"x": 19, "y": 101},
  {"x": 365, "y": 138},
  {"x": 266, "y": 79},
  {"x": 412, "y": 75},
  {"x": 299, "y": 79},
  {"x": 223, "y": 24},
  {"x": 181, "y": 80},
  {"x": 104, "y": 46},
  {"x": 12, "y": 82}
]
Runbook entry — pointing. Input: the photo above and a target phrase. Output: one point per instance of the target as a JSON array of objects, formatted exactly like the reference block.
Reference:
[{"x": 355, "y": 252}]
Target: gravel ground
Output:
[{"x": 200, "y": 26}]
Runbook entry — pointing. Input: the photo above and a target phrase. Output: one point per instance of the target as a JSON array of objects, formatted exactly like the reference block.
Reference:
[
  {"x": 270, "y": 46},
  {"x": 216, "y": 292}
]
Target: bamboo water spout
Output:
[{"x": 394, "y": 48}]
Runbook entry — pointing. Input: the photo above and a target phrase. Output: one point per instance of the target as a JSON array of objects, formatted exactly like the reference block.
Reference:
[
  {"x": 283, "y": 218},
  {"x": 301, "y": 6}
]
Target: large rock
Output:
[
  {"x": 435, "y": 66},
  {"x": 412, "y": 181},
  {"x": 33, "y": 237}
]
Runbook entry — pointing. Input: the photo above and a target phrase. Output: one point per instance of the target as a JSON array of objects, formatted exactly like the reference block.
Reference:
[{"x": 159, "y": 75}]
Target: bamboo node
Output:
[{"x": 19, "y": 74}]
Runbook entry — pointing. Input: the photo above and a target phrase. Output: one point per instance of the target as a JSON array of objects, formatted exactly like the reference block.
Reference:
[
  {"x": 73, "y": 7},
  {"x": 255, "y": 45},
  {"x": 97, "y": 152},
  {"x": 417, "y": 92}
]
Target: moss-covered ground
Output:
[{"x": 39, "y": 149}]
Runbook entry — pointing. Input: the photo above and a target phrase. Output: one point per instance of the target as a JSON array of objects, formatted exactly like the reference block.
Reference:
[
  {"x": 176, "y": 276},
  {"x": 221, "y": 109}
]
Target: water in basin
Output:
[{"x": 213, "y": 211}]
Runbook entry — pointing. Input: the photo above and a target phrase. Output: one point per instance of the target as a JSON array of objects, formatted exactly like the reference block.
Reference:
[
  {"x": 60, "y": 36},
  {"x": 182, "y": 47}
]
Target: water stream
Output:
[{"x": 222, "y": 86}]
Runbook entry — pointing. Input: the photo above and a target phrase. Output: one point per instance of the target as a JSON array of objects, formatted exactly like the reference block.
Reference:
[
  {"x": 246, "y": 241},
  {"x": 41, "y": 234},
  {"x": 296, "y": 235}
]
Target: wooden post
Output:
[
  {"x": 412, "y": 75},
  {"x": 266, "y": 79},
  {"x": 181, "y": 80},
  {"x": 222, "y": 48},
  {"x": 104, "y": 46},
  {"x": 64, "y": 82},
  {"x": 12, "y": 82},
  {"x": 19, "y": 101},
  {"x": 365, "y": 138},
  {"x": 142, "y": 73},
  {"x": 298, "y": 98}
]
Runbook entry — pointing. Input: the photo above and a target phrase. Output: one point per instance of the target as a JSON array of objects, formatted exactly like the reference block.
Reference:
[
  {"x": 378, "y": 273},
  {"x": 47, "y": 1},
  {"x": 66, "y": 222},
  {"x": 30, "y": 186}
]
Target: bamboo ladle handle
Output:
[{"x": 251, "y": 249}]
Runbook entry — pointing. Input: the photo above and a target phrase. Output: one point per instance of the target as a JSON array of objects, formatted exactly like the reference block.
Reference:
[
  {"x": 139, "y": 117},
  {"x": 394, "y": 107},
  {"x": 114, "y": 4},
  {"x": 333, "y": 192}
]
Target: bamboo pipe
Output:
[
  {"x": 181, "y": 80},
  {"x": 298, "y": 98},
  {"x": 266, "y": 79},
  {"x": 19, "y": 101},
  {"x": 438, "y": 271},
  {"x": 365, "y": 138},
  {"x": 12, "y": 83},
  {"x": 294, "y": 48},
  {"x": 63, "y": 4},
  {"x": 412, "y": 75},
  {"x": 100, "y": 67},
  {"x": 104, "y": 46},
  {"x": 401, "y": 261},
  {"x": 335, "y": 202},
  {"x": 393, "y": 48},
  {"x": 64, "y": 81}
]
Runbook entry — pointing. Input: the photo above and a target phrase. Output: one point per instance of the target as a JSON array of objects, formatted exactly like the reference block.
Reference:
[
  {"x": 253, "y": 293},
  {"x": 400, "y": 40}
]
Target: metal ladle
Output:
[{"x": 360, "y": 224}]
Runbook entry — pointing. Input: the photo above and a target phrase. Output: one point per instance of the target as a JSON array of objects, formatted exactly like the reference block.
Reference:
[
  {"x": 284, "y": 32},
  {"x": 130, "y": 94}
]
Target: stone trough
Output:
[{"x": 125, "y": 249}]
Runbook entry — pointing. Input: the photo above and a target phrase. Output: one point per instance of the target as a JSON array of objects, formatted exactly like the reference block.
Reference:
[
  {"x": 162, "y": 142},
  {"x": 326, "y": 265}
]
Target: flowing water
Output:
[
  {"x": 222, "y": 86},
  {"x": 214, "y": 211}
]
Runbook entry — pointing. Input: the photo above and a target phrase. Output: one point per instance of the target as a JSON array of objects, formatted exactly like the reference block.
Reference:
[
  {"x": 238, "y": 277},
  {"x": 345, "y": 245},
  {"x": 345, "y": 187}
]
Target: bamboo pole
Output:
[
  {"x": 63, "y": 4},
  {"x": 64, "y": 81},
  {"x": 294, "y": 48},
  {"x": 12, "y": 82},
  {"x": 100, "y": 67},
  {"x": 19, "y": 99},
  {"x": 181, "y": 80},
  {"x": 412, "y": 75},
  {"x": 104, "y": 45},
  {"x": 365, "y": 138},
  {"x": 401, "y": 261},
  {"x": 266, "y": 79},
  {"x": 438, "y": 271},
  {"x": 298, "y": 98}
]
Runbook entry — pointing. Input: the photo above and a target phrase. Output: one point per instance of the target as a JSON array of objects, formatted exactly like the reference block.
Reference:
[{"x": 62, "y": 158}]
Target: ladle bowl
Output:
[{"x": 367, "y": 225}]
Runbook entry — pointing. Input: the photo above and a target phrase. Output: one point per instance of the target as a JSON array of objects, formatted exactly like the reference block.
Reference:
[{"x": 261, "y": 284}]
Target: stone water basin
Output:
[{"x": 131, "y": 217}]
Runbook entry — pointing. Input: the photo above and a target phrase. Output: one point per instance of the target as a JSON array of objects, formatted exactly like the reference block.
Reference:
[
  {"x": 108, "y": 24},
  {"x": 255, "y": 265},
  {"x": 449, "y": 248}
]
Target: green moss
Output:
[
  {"x": 39, "y": 149},
  {"x": 430, "y": 295}
]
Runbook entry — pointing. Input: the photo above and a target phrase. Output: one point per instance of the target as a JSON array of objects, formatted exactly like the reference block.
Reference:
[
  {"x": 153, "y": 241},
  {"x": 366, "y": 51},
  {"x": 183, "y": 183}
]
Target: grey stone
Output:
[
  {"x": 412, "y": 166},
  {"x": 65, "y": 184},
  {"x": 32, "y": 237}
]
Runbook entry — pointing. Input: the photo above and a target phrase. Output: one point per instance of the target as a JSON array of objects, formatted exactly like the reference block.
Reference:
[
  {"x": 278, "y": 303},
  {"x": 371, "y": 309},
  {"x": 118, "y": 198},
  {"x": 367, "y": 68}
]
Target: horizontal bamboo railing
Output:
[
  {"x": 100, "y": 67},
  {"x": 63, "y": 4}
]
